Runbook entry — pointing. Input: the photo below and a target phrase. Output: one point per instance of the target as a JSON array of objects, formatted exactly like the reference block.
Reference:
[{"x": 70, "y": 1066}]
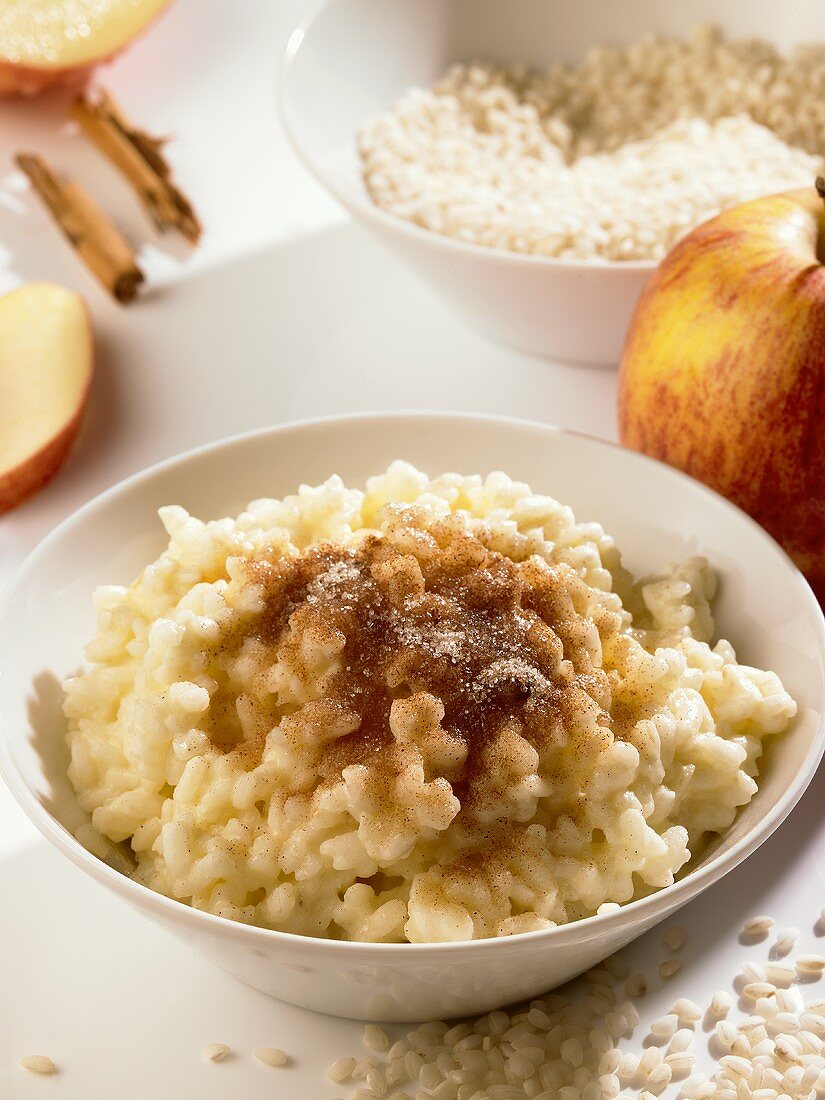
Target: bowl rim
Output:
[
  {"x": 357, "y": 204},
  {"x": 680, "y": 892}
]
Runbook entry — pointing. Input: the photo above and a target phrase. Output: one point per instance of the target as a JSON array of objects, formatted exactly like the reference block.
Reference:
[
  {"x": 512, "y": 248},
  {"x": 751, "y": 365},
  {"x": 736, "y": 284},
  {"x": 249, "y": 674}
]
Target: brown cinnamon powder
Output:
[{"x": 432, "y": 613}]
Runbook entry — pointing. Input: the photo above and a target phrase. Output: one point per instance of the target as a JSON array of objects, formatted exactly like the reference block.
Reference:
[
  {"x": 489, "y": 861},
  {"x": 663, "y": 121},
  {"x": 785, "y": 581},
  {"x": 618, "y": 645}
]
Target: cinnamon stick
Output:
[
  {"x": 139, "y": 157},
  {"x": 93, "y": 236}
]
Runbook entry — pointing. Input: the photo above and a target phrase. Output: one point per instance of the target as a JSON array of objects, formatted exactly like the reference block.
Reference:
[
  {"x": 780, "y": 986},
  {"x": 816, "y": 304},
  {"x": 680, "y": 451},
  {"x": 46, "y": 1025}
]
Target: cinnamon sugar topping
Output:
[{"x": 443, "y": 643}]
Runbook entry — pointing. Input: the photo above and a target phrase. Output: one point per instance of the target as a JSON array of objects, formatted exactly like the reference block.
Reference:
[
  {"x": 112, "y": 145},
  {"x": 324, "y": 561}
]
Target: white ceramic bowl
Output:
[
  {"x": 353, "y": 59},
  {"x": 657, "y": 516}
]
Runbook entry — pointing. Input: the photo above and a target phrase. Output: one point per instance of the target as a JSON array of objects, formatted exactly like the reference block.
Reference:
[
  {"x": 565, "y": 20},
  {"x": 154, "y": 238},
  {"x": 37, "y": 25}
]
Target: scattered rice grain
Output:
[
  {"x": 681, "y": 1041},
  {"x": 341, "y": 1070},
  {"x": 721, "y": 1003},
  {"x": 375, "y": 1038},
  {"x": 669, "y": 969},
  {"x": 674, "y": 938},
  {"x": 754, "y": 990},
  {"x": 665, "y": 1026},
  {"x": 216, "y": 1052},
  {"x": 271, "y": 1056},
  {"x": 680, "y": 1063},
  {"x": 779, "y": 974},
  {"x": 636, "y": 985},
  {"x": 686, "y": 1009},
  {"x": 810, "y": 964},
  {"x": 758, "y": 926},
  {"x": 38, "y": 1063},
  {"x": 752, "y": 972},
  {"x": 785, "y": 939}
]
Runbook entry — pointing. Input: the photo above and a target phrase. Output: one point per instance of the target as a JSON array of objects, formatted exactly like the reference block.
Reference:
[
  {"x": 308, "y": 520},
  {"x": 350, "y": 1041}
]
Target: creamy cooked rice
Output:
[
  {"x": 438, "y": 709},
  {"x": 612, "y": 158}
]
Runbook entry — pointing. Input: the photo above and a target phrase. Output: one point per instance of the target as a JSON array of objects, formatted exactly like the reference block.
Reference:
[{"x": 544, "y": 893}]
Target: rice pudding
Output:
[{"x": 437, "y": 709}]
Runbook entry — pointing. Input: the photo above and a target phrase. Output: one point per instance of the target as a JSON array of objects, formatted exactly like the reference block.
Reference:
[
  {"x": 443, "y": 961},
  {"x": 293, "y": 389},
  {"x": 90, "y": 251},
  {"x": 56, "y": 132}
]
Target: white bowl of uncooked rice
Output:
[
  {"x": 533, "y": 161},
  {"x": 374, "y": 722}
]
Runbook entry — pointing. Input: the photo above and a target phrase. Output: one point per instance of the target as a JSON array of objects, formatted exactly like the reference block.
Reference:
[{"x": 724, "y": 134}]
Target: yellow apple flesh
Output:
[
  {"x": 46, "y": 43},
  {"x": 45, "y": 373},
  {"x": 723, "y": 372}
]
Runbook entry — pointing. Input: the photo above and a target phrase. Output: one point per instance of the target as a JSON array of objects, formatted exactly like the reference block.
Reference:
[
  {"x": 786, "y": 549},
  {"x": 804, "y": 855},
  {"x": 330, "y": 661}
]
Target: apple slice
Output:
[
  {"x": 45, "y": 373},
  {"x": 44, "y": 43}
]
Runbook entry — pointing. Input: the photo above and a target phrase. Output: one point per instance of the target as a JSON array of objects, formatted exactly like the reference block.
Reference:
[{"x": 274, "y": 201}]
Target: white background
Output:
[{"x": 286, "y": 310}]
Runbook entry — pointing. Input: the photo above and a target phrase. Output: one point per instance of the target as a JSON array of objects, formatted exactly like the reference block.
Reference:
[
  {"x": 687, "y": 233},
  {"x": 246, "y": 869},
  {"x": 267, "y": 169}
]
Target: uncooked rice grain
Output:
[
  {"x": 610, "y": 1085},
  {"x": 376, "y": 1082},
  {"x": 636, "y": 985},
  {"x": 681, "y": 1041},
  {"x": 758, "y": 926},
  {"x": 659, "y": 1076},
  {"x": 725, "y": 1033},
  {"x": 216, "y": 1052},
  {"x": 648, "y": 1061},
  {"x": 38, "y": 1063},
  {"x": 629, "y": 1066},
  {"x": 375, "y": 1038},
  {"x": 810, "y": 964},
  {"x": 681, "y": 128},
  {"x": 685, "y": 1009},
  {"x": 665, "y": 1027},
  {"x": 674, "y": 938},
  {"x": 754, "y": 990},
  {"x": 669, "y": 969},
  {"x": 753, "y": 972},
  {"x": 271, "y": 1056},
  {"x": 364, "y": 1065},
  {"x": 341, "y": 1070},
  {"x": 779, "y": 974},
  {"x": 721, "y": 1003},
  {"x": 785, "y": 940}
]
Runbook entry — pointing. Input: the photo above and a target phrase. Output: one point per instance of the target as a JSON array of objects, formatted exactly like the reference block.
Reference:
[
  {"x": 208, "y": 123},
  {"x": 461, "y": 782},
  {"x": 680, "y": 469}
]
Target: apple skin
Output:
[
  {"x": 723, "y": 370},
  {"x": 35, "y": 469},
  {"x": 24, "y": 480},
  {"x": 20, "y": 80}
]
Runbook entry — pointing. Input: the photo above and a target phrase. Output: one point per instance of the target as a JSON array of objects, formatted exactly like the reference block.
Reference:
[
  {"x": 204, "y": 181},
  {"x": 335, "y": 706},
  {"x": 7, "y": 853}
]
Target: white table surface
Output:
[{"x": 286, "y": 310}]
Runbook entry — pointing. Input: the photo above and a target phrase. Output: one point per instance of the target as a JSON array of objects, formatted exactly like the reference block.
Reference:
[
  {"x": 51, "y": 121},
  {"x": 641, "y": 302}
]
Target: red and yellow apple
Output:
[
  {"x": 48, "y": 43},
  {"x": 45, "y": 372},
  {"x": 723, "y": 371}
]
